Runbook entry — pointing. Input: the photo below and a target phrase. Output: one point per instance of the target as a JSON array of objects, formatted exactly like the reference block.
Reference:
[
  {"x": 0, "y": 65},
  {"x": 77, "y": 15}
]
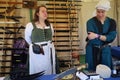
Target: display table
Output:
[
  {"x": 50, "y": 77},
  {"x": 115, "y": 52},
  {"x": 118, "y": 78},
  {"x": 46, "y": 77}
]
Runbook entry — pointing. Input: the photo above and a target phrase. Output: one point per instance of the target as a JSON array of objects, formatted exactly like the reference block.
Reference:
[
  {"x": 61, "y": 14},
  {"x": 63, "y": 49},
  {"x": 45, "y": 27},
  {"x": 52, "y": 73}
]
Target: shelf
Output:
[
  {"x": 12, "y": 48},
  {"x": 5, "y": 55},
  {"x": 5, "y": 60},
  {"x": 53, "y": 0},
  {"x": 1, "y": 7},
  {"x": 9, "y": 33},
  {"x": 7, "y": 38},
  {"x": 8, "y": 22},
  {"x": 21, "y": 27},
  {"x": 9, "y": 30},
  {"x": 63, "y": 16}
]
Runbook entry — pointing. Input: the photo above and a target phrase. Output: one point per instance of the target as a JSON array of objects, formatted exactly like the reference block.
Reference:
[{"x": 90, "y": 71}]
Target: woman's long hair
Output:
[{"x": 36, "y": 18}]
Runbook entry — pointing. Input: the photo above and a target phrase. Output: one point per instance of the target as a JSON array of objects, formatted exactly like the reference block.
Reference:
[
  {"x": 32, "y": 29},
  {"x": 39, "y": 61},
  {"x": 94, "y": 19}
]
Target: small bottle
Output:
[{"x": 114, "y": 70}]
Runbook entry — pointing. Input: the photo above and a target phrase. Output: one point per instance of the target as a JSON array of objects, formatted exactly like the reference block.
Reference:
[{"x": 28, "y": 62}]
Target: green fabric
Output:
[
  {"x": 82, "y": 59},
  {"x": 40, "y": 35}
]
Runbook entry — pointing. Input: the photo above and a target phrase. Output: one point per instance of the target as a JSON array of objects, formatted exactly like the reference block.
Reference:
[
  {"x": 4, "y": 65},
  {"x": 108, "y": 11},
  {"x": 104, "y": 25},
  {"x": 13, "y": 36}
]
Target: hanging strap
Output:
[
  {"x": 31, "y": 14},
  {"x": 51, "y": 59}
]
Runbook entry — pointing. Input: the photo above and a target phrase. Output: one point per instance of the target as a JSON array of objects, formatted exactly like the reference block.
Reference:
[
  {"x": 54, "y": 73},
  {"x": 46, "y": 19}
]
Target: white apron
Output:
[{"x": 40, "y": 62}]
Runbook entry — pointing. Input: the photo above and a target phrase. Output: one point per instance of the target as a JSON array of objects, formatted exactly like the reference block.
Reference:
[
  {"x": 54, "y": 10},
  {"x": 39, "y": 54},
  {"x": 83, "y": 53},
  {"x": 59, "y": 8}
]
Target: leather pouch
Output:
[{"x": 37, "y": 49}]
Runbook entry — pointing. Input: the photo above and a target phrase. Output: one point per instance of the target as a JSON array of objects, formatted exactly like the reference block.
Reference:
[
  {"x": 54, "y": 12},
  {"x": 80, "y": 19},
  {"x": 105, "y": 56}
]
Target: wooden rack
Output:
[
  {"x": 63, "y": 14},
  {"x": 8, "y": 33}
]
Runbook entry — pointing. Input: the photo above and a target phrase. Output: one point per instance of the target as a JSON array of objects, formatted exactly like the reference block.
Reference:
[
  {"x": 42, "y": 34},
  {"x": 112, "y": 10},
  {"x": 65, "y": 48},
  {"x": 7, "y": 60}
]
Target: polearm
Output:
[
  {"x": 11, "y": 8},
  {"x": 8, "y": 7},
  {"x": 8, "y": 10},
  {"x": 17, "y": 27},
  {"x": 15, "y": 18},
  {"x": 4, "y": 2}
]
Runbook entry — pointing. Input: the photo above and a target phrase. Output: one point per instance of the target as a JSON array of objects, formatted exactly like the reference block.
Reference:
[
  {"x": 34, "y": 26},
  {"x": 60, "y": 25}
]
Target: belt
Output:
[
  {"x": 102, "y": 46},
  {"x": 43, "y": 44},
  {"x": 97, "y": 46}
]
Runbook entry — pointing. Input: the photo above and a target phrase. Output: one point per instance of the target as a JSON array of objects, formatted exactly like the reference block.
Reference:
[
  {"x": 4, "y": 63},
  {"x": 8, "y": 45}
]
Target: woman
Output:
[
  {"x": 101, "y": 31},
  {"x": 40, "y": 31}
]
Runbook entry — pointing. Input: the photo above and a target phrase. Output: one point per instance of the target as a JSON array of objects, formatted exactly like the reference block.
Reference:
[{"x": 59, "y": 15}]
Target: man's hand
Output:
[
  {"x": 103, "y": 38},
  {"x": 92, "y": 35}
]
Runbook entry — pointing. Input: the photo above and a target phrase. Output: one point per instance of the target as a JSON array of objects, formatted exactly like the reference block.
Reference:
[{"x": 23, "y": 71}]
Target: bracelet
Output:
[{"x": 97, "y": 36}]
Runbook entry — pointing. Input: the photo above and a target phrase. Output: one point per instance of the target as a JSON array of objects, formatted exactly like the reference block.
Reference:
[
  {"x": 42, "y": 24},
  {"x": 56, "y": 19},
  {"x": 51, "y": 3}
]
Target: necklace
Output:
[{"x": 40, "y": 25}]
